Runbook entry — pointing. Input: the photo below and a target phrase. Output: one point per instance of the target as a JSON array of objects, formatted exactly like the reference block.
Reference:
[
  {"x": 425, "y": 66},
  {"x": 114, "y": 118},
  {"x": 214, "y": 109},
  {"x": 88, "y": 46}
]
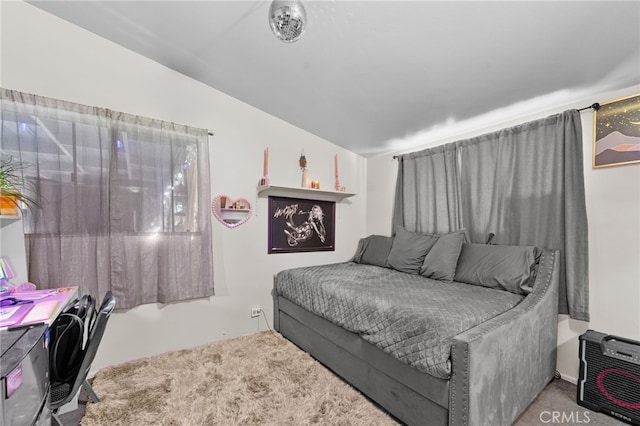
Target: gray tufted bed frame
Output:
[{"x": 498, "y": 367}]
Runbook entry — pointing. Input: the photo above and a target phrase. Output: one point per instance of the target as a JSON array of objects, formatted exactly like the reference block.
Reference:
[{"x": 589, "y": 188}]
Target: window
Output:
[{"x": 124, "y": 200}]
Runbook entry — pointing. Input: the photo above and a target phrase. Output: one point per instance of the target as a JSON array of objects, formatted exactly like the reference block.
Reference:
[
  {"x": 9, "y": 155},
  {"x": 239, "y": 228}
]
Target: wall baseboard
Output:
[{"x": 569, "y": 379}]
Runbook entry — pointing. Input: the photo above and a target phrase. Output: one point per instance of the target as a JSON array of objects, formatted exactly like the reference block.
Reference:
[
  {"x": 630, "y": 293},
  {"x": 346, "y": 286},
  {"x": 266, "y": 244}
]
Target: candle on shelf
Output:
[
  {"x": 266, "y": 161},
  {"x": 265, "y": 177},
  {"x": 306, "y": 181},
  {"x": 337, "y": 184}
]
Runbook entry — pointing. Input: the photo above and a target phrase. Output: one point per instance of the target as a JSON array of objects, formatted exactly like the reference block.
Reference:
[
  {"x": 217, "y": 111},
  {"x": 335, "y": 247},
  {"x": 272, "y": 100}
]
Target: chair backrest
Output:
[{"x": 95, "y": 336}]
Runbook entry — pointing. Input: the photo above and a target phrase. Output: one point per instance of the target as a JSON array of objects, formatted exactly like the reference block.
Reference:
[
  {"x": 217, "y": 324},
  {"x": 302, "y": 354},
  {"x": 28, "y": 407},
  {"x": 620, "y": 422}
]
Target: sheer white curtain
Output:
[
  {"x": 525, "y": 184},
  {"x": 124, "y": 200}
]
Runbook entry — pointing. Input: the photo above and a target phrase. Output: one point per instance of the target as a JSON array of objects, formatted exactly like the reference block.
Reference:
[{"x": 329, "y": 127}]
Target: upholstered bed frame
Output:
[{"x": 498, "y": 367}]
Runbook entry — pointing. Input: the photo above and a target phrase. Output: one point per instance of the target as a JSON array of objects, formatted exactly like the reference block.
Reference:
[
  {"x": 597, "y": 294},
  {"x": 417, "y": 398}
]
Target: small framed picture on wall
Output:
[
  {"x": 299, "y": 225},
  {"x": 616, "y": 132}
]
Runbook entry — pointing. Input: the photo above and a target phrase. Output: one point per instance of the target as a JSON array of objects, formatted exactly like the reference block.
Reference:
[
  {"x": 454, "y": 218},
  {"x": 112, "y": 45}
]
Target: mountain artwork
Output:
[{"x": 617, "y": 133}]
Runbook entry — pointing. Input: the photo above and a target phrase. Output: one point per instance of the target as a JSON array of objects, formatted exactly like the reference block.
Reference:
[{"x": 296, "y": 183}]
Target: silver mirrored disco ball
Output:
[{"x": 287, "y": 19}]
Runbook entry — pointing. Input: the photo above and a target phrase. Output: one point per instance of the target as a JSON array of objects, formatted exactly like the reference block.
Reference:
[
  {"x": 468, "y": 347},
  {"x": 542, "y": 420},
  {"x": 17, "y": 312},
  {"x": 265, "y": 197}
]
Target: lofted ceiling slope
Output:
[{"x": 370, "y": 75}]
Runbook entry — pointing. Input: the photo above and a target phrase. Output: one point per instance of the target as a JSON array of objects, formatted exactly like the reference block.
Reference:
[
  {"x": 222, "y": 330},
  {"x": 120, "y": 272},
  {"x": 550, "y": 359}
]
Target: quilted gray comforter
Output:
[{"x": 411, "y": 317}]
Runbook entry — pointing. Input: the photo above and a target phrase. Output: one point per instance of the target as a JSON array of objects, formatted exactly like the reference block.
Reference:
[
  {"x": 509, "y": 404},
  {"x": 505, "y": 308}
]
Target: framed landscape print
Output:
[
  {"x": 616, "y": 132},
  {"x": 301, "y": 225}
]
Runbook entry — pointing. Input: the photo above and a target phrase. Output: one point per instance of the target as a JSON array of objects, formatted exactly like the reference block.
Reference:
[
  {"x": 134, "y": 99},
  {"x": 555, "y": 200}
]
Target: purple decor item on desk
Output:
[{"x": 10, "y": 301}]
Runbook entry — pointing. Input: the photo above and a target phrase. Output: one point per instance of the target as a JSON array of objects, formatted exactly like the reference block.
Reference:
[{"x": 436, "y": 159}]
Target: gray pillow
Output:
[
  {"x": 440, "y": 262},
  {"x": 408, "y": 250},
  {"x": 377, "y": 250},
  {"x": 362, "y": 244},
  {"x": 510, "y": 268}
]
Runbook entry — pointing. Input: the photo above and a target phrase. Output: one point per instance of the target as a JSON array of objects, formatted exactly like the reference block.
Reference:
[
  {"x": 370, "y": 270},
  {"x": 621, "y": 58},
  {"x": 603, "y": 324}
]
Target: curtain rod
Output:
[{"x": 595, "y": 106}]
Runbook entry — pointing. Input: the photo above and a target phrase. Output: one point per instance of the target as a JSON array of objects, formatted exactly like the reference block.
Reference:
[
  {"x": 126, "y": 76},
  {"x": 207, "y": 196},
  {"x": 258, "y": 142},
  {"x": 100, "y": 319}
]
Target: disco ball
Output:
[{"x": 287, "y": 19}]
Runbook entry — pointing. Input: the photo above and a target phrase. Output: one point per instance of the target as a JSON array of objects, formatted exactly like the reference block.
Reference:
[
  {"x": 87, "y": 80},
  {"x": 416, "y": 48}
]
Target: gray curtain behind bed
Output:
[
  {"x": 428, "y": 191},
  {"x": 525, "y": 184}
]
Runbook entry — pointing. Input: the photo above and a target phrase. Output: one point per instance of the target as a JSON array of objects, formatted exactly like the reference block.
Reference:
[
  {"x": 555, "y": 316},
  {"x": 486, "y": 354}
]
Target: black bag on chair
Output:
[{"x": 69, "y": 335}]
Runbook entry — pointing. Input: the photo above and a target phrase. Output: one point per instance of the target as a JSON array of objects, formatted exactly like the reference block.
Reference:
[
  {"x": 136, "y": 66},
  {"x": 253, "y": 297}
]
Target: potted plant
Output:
[{"x": 11, "y": 183}]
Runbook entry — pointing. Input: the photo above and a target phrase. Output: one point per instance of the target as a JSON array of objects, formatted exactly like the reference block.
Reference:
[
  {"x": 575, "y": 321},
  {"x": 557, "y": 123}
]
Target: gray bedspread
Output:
[{"x": 411, "y": 317}]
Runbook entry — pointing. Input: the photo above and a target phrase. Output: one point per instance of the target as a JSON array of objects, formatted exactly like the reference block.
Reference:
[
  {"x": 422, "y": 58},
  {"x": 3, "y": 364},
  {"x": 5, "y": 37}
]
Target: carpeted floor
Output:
[
  {"x": 262, "y": 379},
  {"x": 556, "y": 405}
]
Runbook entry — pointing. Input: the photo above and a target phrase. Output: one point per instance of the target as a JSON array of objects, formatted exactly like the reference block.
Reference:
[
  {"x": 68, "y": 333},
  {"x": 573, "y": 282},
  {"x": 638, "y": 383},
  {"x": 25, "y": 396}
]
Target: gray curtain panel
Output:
[
  {"x": 525, "y": 184},
  {"x": 427, "y": 196},
  {"x": 124, "y": 200}
]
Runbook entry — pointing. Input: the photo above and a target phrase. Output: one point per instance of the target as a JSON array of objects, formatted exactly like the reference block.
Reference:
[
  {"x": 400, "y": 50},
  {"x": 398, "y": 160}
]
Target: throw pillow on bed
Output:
[
  {"x": 510, "y": 268},
  {"x": 409, "y": 250},
  {"x": 362, "y": 244},
  {"x": 377, "y": 250},
  {"x": 440, "y": 263},
  {"x": 373, "y": 250}
]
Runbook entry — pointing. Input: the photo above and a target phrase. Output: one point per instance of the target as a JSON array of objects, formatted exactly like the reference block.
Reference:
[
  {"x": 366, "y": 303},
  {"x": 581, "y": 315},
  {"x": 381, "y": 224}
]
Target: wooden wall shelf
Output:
[
  {"x": 7, "y": 219},
  {"x": 305, "y": 193}
]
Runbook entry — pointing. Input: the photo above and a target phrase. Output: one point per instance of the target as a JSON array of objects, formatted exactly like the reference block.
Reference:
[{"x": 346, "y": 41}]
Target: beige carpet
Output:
[{"x": 261, "y": 379}]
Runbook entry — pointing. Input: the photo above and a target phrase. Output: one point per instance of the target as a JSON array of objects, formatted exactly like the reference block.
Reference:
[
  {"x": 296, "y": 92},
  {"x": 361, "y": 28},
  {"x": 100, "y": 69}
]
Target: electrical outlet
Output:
[{"x": 255, "y": 312}]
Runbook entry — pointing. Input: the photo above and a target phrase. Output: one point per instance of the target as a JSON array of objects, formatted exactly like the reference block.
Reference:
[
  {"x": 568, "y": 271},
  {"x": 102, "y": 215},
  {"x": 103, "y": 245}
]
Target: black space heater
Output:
[{"x": 609, "y": 379}]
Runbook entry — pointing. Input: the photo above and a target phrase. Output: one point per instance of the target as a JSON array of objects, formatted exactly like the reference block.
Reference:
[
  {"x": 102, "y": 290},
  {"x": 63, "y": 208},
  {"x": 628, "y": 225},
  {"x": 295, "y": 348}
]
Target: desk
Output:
[
  {"x": 24, "y": 357},
  {"x": 45, "y": 307}
]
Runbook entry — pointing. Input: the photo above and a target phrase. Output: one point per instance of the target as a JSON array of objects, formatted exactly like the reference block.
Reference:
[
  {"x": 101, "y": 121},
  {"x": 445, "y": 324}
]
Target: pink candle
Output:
[
  {"x": 266, "y": 161},
  {"x": 336, "y": 166}
]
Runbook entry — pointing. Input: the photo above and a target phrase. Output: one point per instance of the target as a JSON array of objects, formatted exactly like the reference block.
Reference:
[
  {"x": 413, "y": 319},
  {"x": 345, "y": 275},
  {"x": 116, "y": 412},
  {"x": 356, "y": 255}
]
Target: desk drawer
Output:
[{"x": 24, "y": 390}]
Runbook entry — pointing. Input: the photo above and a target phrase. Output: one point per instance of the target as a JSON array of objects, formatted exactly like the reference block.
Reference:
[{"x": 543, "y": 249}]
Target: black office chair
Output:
[{"x": 62, "y": 393}]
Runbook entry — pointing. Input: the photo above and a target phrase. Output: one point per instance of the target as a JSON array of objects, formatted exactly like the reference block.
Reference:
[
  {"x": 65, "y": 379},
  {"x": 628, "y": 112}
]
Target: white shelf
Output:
[
  {"x": 306, "y": 193},
  {"x": 6, "y": 220}
]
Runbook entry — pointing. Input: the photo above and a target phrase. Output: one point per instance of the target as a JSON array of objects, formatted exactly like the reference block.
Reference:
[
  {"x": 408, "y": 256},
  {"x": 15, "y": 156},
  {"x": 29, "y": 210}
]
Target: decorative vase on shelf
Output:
[
  {"x": 302, "y": 161},
  {"x": 12, "y": 187},
  {"x": 8, "y": 205}
]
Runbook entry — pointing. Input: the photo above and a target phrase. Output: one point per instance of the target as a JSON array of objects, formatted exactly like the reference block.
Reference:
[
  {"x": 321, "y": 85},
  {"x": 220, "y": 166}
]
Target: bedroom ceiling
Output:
[{"x": 380, "y": 76}]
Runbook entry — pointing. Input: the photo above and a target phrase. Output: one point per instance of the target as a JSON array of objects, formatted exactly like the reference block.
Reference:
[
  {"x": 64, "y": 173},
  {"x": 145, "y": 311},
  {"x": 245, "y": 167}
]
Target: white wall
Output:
[
  {"x": 613, "y": 211},
  {"x": 45, "y": 55}
]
